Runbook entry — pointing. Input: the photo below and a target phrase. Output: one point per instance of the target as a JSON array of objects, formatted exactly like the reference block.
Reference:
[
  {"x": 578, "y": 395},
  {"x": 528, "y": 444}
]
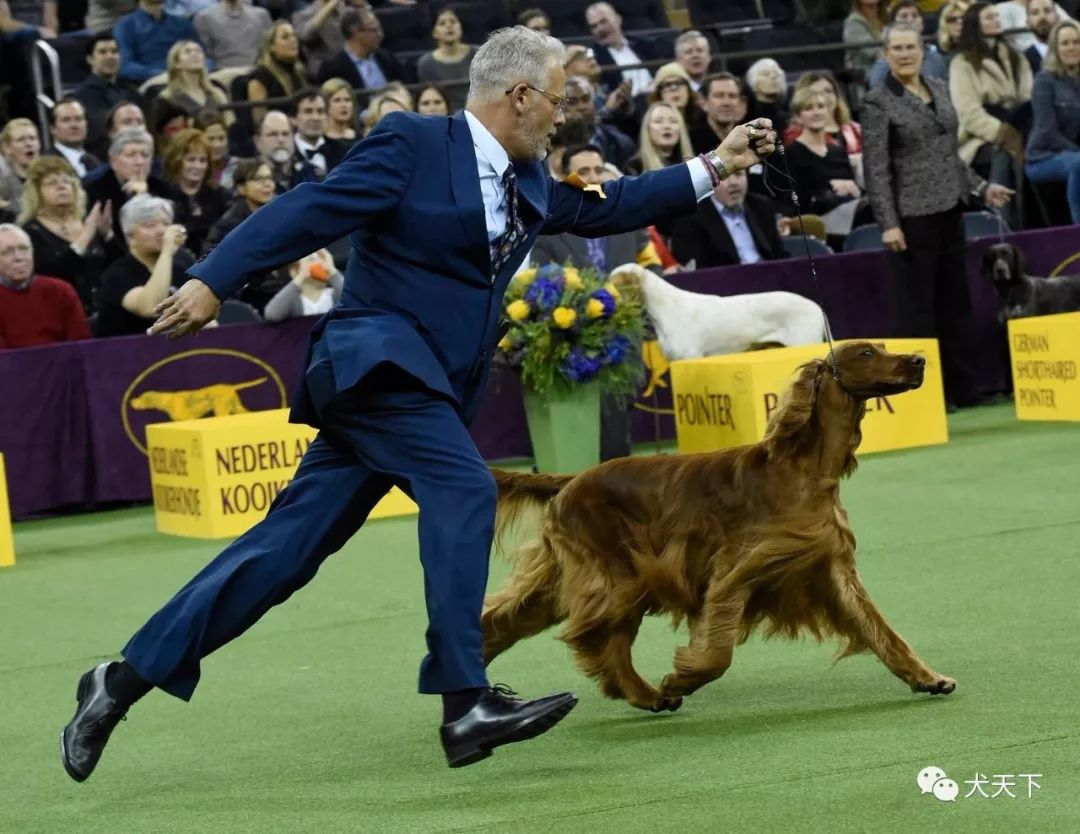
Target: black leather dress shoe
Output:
[
  {"x": 97, "y": 714},
  {"x": 497, "y": 719}
]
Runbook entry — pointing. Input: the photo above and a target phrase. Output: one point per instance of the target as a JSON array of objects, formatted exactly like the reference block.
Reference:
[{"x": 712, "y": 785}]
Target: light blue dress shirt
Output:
[{"x": 739, "y": 229}]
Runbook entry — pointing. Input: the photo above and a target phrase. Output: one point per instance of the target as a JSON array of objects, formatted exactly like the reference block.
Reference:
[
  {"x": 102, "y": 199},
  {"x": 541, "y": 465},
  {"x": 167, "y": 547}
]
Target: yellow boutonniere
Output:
[
  {"x": 518, "y": 310},
  {"x": 564, "y": 317}
]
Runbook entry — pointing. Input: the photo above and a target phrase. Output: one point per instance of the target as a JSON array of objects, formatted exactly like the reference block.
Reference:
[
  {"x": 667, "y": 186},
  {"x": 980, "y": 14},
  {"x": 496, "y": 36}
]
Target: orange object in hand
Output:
[{"x": 318, "y": 272}]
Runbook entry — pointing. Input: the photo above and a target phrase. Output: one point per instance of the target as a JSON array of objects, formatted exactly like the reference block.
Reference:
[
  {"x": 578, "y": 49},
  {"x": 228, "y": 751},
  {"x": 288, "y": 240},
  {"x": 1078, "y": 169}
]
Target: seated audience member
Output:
[
  {"x": 216, "y": 133},
  {"x": 168, "y": 120},
  {"x": 693, "y": 54},
  {"x": 863, "y": 26},
  {"x": 314, "y": 155},
  {"x": 145, "y": 37},
  {"x": 140, "y": 280},
  {"x": 935, "y": 64},
  {"x": 432, "y": 101},
  {"x": 1053, "y": 149},
  {"x": 448, "y": 63},
  {"x": 731, "y": 227},
  {"x": 102, "y": 91},
  {"x": 199, "y": 203},
  {"x": 342, "y": 110},
  {"x": 766, "y": 81},
  {"x": 127, "y": 175},
  {"x": 126, "y": 114},
  {"x": 189, "y": 88},
  {"x": 840, "y": 128},
  {"x": 617, "y": 147},
  {"x": 34, "y": 309},
  {"x": 671, "y": 85},
  {"x": 572, "y": 132},
  {"x": 67, "y": 126},
  {"x": 724, "y": 104},
  {"x": 69, "y": 243},
  {"x": 950, "y": 24},
  {"x": 663, "y": 140},
  {"x": 19, "y": 146},
  {"x": 613, "y": 49},
  {"x": 279, "y": 72},
  {"x": 1042, "y": 18},
  {"x": 1016, "y": 14},
  {"x": 314, "y": 289},
  {"x": 360, "y": 61},
  {"x": 253, "y": 182},
  {"x": 378, "y": 107},
  {"x": 318, "y": 30},
  {"x": 103, "y": 15},
  {"x": 535, "y": 19},
  {"x": 232, "y": 32}
]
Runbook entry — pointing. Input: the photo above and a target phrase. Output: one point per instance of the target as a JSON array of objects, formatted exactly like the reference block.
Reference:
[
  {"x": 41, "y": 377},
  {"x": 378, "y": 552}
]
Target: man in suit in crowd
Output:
[
  {"x": 731, "y": 227},
  {"x": 314, "y": 156},
  {"x": 613, "y": 49},
  {"x": 441, "y": 213},
  {"x": 360, "y": 61},
  {"x": 1042, "y": 18},
  {"x": 67, "y": 126}
]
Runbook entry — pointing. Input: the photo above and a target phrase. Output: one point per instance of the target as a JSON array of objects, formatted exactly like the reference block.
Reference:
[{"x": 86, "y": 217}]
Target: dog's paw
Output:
[
  {"x": 661, "y": 705},
  {"x": 935, "y": 686}
]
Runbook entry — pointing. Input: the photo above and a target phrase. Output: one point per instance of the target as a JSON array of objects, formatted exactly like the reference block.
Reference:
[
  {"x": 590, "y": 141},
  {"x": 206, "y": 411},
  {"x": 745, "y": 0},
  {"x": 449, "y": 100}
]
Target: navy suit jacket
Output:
[{"x": 419, "y": 292}]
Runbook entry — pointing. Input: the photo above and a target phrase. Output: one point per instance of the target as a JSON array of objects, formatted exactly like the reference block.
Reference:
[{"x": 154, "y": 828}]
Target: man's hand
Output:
[
  {"x": 997, "y": 196},
  {"x": 188, "y": 310},
  {"x": 746, "y": 145}
]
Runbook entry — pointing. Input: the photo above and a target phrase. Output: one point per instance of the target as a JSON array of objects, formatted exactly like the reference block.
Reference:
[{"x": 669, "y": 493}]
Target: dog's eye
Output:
[{"x": 868, "y": 353}]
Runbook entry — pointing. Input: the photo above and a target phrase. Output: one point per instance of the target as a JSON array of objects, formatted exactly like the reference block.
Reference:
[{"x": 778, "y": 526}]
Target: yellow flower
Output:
[
  {"x": 525, "y": 278},
  {"x": 572, "y": 278},
  {"x": 505, "y": 344},
  {"x": 518, "y": 310},
  {"x": 564, "y": 317},
  {"x": 611, "y": 289},
  {"x": 595, "y": 308}
]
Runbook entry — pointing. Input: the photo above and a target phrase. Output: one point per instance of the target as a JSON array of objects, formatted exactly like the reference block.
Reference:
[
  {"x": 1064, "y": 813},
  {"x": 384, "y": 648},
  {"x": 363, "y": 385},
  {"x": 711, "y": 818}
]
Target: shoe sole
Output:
[
  {"x": 523, "y": 731},
  {"x": 80, "y": 693}
]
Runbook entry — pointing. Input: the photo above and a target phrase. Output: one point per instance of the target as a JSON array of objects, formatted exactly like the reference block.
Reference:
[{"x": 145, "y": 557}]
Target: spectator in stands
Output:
[
  {"x": 693, "y": 53},
  {"x": 615, "y": 145},
  {"x": 360, "y": 61},
  {"x": 1042, "y": 17},
  {"x": 731, "y": 227},
  {"x": 34, "y": 309},
  {"x": 401, "y": 92},
  {"x": 279, "y": 73},
  {"x": 127, "y": 175},
  {"x": 917, "y": 184},
  {"x": 216, "y": 134},
  {"x": 934, "y": 65},
  {"x": 102, "y": 90},
  {"x": 145, "y": 37},
  {"x": 19, "y": 146},
  {"x": 144, "y": 277},
  {"x": 950, "y": 24},
  {"x": 766, "y": 81},
  {"x": 840, "y": 129},
  {"x": 232, "y": 32},
  {"x": 571, "y": 133},
  {"x": 102, "y": 15},
  {"x": 314, "y": 289},
  {"x": 318, "y": 27},
  {"x": 663, "y": 141},
  {"x": 990, "y": 84},
  {"x": 67, "y": 126},
  {"x": 274, "y": 147},
  {"x": 198, "y": 202},
  {"x": 167, "y": 121},
  {"x": 672, "y": 85},
  {"x": 314, "y": 156},
  {"x": 1053, "y": 149},
  {"x": 535, "y": 19},
  {"x": 612, "y": 48},
  {"x": 1015, "y": 14},
  {"x": 188, "y": 88},
  {"x": 449, "y": 61},
  {"x": 723, "y": 107},
  {"x": 69, "y": 243},
  {"x": 581, "y": 61},
  {"x": 39, "y": 15},
  {"x": 124, "y": 115},
  {"x": 378, "y": 107},
  {"x": 863, "y": 25},
  {"x": 432, "y": 101},
  {"x": 187, "y": 8},
  {"x": 341, "y": 110}
]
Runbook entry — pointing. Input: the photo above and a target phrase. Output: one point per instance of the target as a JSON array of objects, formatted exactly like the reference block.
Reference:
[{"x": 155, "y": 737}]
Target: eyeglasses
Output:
[
  {"x": 20, "y": 249},
  {"x": 559, "y": 101},
  {"x": 671, "y": 85},
  {"x": 954, "y": 19}
]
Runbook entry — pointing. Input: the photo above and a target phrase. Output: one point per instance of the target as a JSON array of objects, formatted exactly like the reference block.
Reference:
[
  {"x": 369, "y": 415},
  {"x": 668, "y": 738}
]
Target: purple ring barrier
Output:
[{"x": 73, "y": 416}]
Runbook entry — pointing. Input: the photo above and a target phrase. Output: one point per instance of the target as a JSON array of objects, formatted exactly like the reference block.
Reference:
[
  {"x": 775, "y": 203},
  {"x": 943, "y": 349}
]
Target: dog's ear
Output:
[
  {"x": 988, "y": 258},
  {"x": 783, "y": 434},
  {"x": 1019, "y": 263}
]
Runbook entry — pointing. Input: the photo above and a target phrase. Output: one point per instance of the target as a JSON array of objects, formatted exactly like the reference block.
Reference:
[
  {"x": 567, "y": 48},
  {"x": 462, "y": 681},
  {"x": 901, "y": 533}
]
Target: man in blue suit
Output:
[{"x": 441, "y": 212}]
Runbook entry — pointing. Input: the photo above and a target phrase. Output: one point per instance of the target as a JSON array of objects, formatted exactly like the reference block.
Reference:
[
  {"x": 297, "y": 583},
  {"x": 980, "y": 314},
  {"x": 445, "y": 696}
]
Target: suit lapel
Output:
[
  {"x": 718, "y": 236},
  {"x": 916, "y": 105},
  {"x": 532, "y": 187},
  {"x": 465, "y": 183}
]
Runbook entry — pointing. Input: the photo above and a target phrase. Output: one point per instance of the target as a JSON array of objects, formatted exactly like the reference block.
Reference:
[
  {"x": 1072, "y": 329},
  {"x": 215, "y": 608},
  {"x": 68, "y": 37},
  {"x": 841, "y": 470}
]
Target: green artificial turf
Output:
[{"x": 309, "y": 723}]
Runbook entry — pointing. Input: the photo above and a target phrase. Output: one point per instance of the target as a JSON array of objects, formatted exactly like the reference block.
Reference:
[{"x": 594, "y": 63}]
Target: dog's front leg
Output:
[
  {"x": 712, "y": 642},
  {"x": 861, "y": 621}
]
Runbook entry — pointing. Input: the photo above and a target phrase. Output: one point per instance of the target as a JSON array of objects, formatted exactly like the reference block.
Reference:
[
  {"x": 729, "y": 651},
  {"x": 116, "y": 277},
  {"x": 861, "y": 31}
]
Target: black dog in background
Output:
[{"x": 1020, "y": 294}]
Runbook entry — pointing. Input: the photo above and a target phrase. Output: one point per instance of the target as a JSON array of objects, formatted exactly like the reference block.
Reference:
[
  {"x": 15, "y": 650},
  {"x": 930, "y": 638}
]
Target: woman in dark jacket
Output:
[
  {"x": 917, "y": 183},
  {"x": 1053, "y": 149}
]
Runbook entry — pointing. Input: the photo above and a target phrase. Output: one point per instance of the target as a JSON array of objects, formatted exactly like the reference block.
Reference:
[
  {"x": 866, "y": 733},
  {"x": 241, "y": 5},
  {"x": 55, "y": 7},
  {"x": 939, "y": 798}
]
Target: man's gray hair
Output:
[
  {"x": 12, "y": 227},
  {"x": 143, "y": 208},
  {"x": 890, "y": 29},
  {"x": 131, "y": 136},
  {"x": 512, "y": 56},
  {"x": 689, "y": 37},
  {"x": 761, "y": 65}
]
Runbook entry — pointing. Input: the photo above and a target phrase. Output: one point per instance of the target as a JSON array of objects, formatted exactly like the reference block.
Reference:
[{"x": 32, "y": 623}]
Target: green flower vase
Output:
[{"x": 565, "y": 429}]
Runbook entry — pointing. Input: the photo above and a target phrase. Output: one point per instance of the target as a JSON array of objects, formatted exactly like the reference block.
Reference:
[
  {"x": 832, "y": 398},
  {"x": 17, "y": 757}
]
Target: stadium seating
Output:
[
  {"x": 796, "y": 247},
  {"x": 406, "y": 28},
  {"x": 867, "y": 236},
  {"x": 480, "y": 18}
]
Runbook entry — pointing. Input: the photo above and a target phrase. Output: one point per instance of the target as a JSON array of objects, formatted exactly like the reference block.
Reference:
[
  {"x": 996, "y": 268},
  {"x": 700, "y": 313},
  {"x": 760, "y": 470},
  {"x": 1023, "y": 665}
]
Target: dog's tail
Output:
[{"x": 520, "y": 491}]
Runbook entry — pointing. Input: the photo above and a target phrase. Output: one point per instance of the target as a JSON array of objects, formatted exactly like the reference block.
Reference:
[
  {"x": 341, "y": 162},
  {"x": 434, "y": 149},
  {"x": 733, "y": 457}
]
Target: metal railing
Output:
[{"x": 44, "y": 51}]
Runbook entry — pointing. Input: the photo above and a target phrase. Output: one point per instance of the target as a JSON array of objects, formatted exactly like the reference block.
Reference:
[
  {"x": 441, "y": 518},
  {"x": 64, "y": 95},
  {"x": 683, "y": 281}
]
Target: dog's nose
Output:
[{"x": 918, "y": 361}]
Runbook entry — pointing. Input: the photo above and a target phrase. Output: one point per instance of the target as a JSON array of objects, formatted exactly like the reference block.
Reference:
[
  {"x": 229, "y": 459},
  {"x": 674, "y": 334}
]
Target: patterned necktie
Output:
[
  {"x": 503, "y": 247},
  {"x": 595, "y": 248}
]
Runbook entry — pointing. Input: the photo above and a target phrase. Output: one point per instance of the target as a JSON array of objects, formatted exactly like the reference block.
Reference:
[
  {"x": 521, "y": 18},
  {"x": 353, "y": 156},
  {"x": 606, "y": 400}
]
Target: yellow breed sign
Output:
[
  {"x": 725, "y": 401},
  {"x": 1044, "y": 352},
  {"x": 7, "y": 544},
  {"x": 216, "y": 477}
]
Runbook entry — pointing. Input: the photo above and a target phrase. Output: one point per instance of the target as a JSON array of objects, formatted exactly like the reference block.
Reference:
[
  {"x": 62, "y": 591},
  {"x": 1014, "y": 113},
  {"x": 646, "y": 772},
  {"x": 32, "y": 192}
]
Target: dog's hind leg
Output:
[
  {"x": 525, "y": 605},
  {"x": 858, "y": 619}
]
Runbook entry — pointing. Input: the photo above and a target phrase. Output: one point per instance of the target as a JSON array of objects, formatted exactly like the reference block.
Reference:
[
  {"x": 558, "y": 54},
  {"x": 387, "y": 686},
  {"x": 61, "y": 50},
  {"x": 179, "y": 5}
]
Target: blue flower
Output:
[
  {"x": 544, "y": 294},
  {"x": 550, "y": 272},
  {"x": 616, "y": 350},
  {"x": 580, "y": 367},
  {"x": 605, "y": 298}
]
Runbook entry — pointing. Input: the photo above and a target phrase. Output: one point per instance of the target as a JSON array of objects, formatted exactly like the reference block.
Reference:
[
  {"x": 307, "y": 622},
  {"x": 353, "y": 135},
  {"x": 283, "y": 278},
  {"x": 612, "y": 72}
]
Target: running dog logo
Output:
[{"x": 213, "y": 400}]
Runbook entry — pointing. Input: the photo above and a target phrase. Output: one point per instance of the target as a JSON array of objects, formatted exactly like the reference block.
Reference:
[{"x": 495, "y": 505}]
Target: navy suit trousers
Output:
[{"x": 388, "y": 430}]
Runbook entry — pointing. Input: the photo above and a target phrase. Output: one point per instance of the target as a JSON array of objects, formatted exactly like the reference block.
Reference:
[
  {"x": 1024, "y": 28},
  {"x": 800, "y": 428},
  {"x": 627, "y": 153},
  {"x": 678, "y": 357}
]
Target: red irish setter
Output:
[{"x": 729, "y": 540}]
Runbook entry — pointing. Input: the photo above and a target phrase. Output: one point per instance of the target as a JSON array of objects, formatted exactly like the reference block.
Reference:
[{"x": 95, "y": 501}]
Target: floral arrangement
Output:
[{"x": 569, "y": 327}]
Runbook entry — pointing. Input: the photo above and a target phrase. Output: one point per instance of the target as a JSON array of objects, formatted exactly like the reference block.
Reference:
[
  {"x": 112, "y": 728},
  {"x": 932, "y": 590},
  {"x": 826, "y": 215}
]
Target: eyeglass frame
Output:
[{"x": 559, "y": 102}]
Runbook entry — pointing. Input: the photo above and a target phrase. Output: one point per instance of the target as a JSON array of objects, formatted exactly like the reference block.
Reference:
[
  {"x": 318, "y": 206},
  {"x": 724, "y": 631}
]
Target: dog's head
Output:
[
  {"x": 866, "y": 369},
  {"x": 1004, "y": 265}
]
